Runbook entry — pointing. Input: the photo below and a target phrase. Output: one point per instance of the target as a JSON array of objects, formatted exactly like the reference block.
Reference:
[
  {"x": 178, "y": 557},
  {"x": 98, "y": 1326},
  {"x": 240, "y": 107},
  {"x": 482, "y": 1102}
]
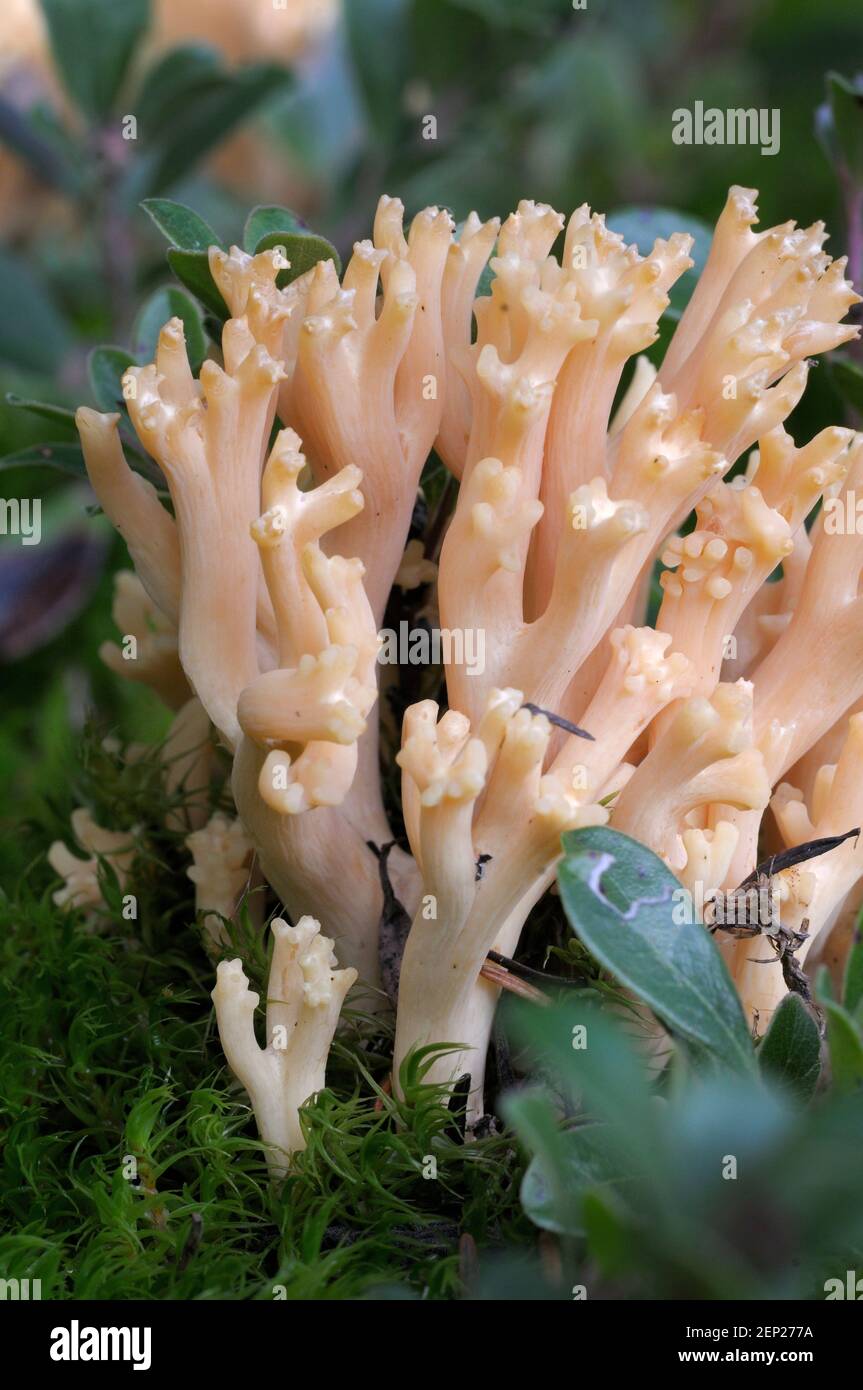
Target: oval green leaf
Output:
[
  {"x": 105, "y": 367},
  {"x": 852, "y": 993},
  {"x": 846, "y": 1048},
  {"x": 62, "y": 457},
  {"x": 791, "y": 1050},
  {"x": 303, "y": 250},
  {"x": 619, "y": 898},
  {"x": 93, "y": 42},
  {"x": 193, "y": 269},
  {"x": 183, "y": 227}
]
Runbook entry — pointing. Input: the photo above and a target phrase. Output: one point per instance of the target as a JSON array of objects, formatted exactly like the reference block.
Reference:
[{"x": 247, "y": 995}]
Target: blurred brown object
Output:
[
  {"x": 25, "y": 73},
  {"x": 243, "y": 30},
  {"x": 246, "y": 30},
  {"x": 22, "y": 36}
]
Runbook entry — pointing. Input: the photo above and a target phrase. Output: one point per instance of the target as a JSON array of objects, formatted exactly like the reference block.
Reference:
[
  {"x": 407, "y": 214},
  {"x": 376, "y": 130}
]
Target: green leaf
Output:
[
  {"x": 46, "y": 410},
  {"x": 852, "y": 993},
  {"x": 105, "y": 367},
  {"x": 848, "y": 377},
  {"x": 643, "y": 225},
  {"x": 609, "y": 1236},
  {"x": 791, "y": 1050},
  {"x": 167, "y": 303},
  {"x": 210, "y": 119},
  {"x": 303, "y": 250},
  {"x": 619, "y": 898},
  {"x": 846, "y": 1048},
  {"x": 23, "y": 132},
  {"x": 66, "y": 457},
  {"x": 33, "y": 334},
  {"x": 267, "y": 218},
  {"x": 547, "y": 1194},
  {"x": 378, "y": 34},
  {"x": 193, "y": 268},
  {"x": 62, "y": 457},
  {"x": 268, "y": 226},
  {"x": 589, "y": 1163},
  {"x": 589, "y": 1057},
  {"x": 182, "y": 227},
  {"x": 840, "y": 123},
  {"x": 181, "y": 76},
  {"x": 514, "y": 15},
  {"x": 93, "y": 42}
]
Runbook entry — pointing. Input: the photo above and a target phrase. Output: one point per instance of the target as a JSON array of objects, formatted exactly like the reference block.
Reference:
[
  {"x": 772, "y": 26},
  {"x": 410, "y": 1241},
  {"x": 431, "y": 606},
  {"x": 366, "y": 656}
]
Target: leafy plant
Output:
[{"x": 713, "y": 1191}]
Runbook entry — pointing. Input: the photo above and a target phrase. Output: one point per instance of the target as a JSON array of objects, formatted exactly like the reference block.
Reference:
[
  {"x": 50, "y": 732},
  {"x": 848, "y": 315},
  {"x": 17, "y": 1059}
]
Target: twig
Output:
[
  {"x": 787, "y": 858},
  {"x": 526, "y": 972},
  {"x": 498, "y": 975},
  {"x": 559, "y": 720}
]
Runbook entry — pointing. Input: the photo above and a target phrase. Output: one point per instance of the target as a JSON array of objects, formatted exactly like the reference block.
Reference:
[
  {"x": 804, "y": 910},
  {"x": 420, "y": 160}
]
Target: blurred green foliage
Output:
[{"x": 705, "y": 1179}]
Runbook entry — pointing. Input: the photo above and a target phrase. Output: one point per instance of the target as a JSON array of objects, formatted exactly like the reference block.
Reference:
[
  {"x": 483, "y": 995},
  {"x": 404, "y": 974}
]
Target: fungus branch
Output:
[{"x": 304, "y": 997}]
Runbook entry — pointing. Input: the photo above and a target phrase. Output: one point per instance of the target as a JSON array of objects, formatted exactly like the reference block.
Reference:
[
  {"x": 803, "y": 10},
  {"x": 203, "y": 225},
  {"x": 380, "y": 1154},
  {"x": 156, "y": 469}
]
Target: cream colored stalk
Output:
[
  {"x": 708, "y": 855},
  {"x": 220, "y": 852},
  {"x": 320, "y": 855},
  {"x": 814, "y": 673},
  {"x": 304, "y": 998},
  {"x": 152, "y": 656},
  {"x": 806, "y": 771},
  {"x": 836, "y": 806},
  {"x": 625, "y": 294},
  {"x": 641, "y": 680},
  {"x": 210, "y": 439},
  {"x": 187, "y": 758},
  {"x": 744, "y": 530},
  {"x": 465, "y": 263},
  {"x": 706, "y": 755},
  {"x": 362, "y": 389},
  {"x": 466, "y": 796},
  {"x": 302, "y": 720},
  {"x": 132, "y": 504},
  {"x": 82, "y": 888},
  {"x": 154, "y": 660},
  {"x": 764, "y": 303},
  {"x": 604, "y": 544}
]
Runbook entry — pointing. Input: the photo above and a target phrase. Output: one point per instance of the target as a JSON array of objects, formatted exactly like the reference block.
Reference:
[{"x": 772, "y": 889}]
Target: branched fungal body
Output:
[{"x": 266, "y": 587}]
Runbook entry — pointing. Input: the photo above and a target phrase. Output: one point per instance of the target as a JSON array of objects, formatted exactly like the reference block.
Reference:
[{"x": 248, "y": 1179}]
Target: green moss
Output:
[{"x": 131, "y": 1166}]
